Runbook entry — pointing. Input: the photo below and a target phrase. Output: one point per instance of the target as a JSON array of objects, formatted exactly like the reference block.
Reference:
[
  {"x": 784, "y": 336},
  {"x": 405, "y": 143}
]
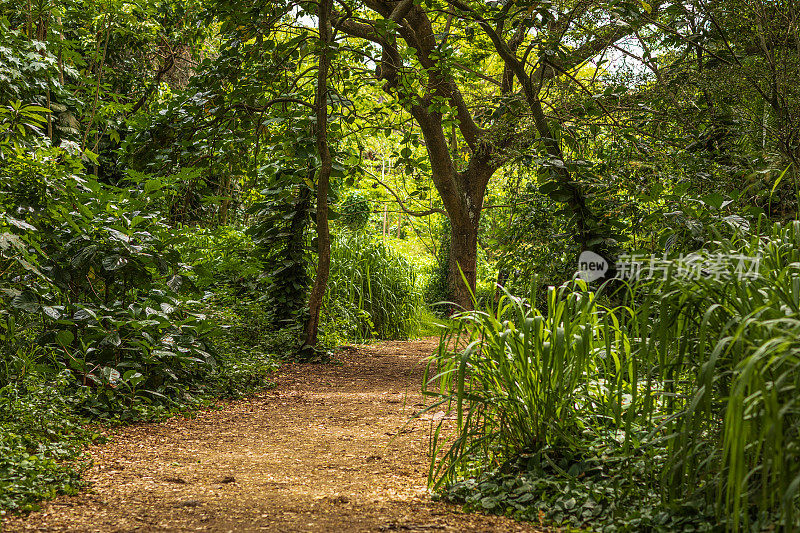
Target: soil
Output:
[{"x": 331, "y": 449}]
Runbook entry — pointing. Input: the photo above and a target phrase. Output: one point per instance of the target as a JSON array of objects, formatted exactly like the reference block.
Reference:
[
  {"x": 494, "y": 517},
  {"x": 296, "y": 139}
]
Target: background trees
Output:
[
  {"x": 526, "y": 131},
  {"x": 425, "y": 62}
]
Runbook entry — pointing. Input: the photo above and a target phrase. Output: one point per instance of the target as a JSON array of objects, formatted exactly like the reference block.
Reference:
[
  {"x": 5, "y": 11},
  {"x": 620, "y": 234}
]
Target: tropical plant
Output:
[
  {"x": 371, "y": 292},
  {"x": 694, "y": 378},
  {"x": 355, "y": 210}
]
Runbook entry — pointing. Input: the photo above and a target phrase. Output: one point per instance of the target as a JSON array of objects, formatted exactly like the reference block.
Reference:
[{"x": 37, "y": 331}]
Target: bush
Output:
[
  {"x": 249, "y": 347},
  {"x": 41, "y": 440},
  {"x": 223, "y": 256},
  {"x": 355, "y": 210},
  {"x": 371, "y": 292},
  {"x": 46, "y": 417},
  {"x": 683, "y": 398},
  {"x": 97, "y": 321}
]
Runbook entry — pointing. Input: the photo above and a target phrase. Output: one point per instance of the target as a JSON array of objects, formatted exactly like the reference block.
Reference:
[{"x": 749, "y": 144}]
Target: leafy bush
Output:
[
  {"x": 96, "y": 320},
  {"x": 684, "y": 397},
  {"x": 248, "y": 347},
  {"x": 41, "y": 440},
  {"x": 597, "y": 495},
  {"x": 103, "y": 282},
  {"x": 371, "y": 292},
  {"x": 220, "y": 256},
  {"x": 355, "y": 210},
  {"x": 437, "y": 287},
  {"x": 279, "y": 232},
  {"x": 45, "y": 415}
]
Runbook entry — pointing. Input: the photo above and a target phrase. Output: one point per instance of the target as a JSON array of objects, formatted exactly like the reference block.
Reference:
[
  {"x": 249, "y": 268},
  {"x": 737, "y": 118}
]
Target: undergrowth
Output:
[
  {"x": 46, "y": 421},
  {"x": 670, "y": 405},
  {"x": 371, "y": 292},
  {"x": 41, "y": 441}
]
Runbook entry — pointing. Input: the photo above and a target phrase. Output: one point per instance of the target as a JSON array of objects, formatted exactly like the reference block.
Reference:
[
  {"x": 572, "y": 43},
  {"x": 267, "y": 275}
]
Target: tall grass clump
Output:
[
  {"x": 516, "y": 378},
  {"x": 684, "y": 395},
  {"x": 371, "y": 291}
]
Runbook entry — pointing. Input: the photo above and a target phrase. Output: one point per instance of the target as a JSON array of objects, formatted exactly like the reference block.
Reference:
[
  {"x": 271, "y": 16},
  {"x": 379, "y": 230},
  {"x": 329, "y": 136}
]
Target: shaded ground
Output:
[{"x": 327, "y": 450}]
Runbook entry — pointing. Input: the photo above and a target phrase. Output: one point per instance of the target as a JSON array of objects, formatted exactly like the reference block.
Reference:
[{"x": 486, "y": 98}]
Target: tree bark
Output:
[
  {"x": 323, "y": 180},
  {"x": 463, "y": 262}
]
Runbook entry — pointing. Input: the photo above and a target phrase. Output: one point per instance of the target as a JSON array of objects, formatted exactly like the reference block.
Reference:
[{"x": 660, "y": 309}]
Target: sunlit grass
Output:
[
  {"x": 702, "y": 376},
  {"x": 371, "y": 292}
]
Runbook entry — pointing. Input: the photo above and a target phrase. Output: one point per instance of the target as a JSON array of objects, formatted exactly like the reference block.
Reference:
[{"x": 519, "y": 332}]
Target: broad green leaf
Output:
[
  {"x": 114, "y": 262},
  {"x": 65, "y": 337}
]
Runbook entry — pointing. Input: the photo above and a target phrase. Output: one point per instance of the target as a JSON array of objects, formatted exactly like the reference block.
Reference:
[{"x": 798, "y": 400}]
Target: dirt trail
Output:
[{"x": 326, "y": 450}]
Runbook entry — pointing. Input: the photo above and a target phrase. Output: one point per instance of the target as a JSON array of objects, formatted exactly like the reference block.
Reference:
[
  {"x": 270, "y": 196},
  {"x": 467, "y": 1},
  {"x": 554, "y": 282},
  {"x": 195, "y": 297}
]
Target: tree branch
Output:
[
  {"x": 270, "y": 103},
  {"x": 168, "y": 64},
  {"x": 406, "y": 210}
]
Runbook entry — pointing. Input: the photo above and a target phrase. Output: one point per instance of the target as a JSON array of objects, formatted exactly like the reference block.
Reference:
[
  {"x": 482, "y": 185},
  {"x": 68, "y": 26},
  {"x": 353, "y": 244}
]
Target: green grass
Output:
[
  {"x": 430, "y": 324},
  {"x": 371, "y": 292},
  {"x": 683, "y": 396},
  {"x": 413, "y": 251}
]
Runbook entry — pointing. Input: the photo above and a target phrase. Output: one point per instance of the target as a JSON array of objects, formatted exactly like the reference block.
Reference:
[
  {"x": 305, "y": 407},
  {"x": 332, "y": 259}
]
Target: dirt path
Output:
[{"x": 325, "y": 451}]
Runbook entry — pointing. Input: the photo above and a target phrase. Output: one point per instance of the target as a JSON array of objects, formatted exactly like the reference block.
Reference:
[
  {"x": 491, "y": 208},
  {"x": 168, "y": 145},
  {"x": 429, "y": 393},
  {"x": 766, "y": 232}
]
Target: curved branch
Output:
[
  {"x": 168, "y": 64},
  {"x": 406, "y": 210},
  {"x": 270, "y": 103}
]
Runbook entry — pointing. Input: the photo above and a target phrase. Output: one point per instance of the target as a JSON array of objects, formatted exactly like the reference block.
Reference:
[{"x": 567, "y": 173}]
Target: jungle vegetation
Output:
[{"x": 193, "y": 192}]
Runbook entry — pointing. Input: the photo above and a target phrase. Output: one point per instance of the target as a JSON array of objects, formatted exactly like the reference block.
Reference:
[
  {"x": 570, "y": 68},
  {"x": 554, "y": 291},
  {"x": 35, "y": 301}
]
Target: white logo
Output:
[{"x": 591, "y": 266}]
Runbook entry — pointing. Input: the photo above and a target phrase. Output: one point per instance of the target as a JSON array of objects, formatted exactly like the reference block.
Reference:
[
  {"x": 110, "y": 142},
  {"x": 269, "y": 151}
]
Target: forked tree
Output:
[{"x": 537, "y": 43}]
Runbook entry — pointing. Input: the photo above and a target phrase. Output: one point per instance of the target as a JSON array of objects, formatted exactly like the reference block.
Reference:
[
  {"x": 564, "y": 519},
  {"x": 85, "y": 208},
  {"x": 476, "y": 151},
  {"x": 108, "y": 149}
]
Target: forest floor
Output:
[{"x": 329, "y": 449}]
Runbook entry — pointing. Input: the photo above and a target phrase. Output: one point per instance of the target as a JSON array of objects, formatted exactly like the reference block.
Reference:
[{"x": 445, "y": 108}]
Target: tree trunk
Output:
[
  {"x": 463, "y": 262},
  {"x": 464, "y": 205},
  {"x": 323, "y": 232}
]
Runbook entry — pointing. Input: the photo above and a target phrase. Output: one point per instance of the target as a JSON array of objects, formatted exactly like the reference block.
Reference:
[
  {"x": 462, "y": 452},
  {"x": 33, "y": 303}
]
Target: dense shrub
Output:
[
  {"x": 371, "y": 292},
  {"x": 99, "y": 319},
  {"x": 103, "y": 288},
  {"x": 682, "y": 399},
  {"x": 355, "y": 210},
  {"x": 41, "y": 439},
  {"x": 222, "y": 256}
]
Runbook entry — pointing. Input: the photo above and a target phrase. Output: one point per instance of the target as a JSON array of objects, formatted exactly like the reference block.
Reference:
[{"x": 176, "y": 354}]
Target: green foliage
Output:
[
  {"x": 355, "y": 210},
  {"x": 684, "y": 397},
  {"x": 539, "y": 365},
  {"x": 249, "y": 326},
  {"x": 529, "y": 240},
  {"x": 371, "y": 292},
  {"x": 279, "y": 231},
  {"x": 595, "y": 495},
  {"x": 105, "y": 281},
  {"x": 249, "y": 346},
  {"x": 120, "y": 121},
  {"x": 437, "y": 286},
  {"x": 41, "y": 440},
  {"x": 46, "y": 420},
  {"x": 96, "y": 320},
  {"x": 44, "y": 404},
  {"x": 24, "y": 64},
  {"x": 222, "y": 256}
]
